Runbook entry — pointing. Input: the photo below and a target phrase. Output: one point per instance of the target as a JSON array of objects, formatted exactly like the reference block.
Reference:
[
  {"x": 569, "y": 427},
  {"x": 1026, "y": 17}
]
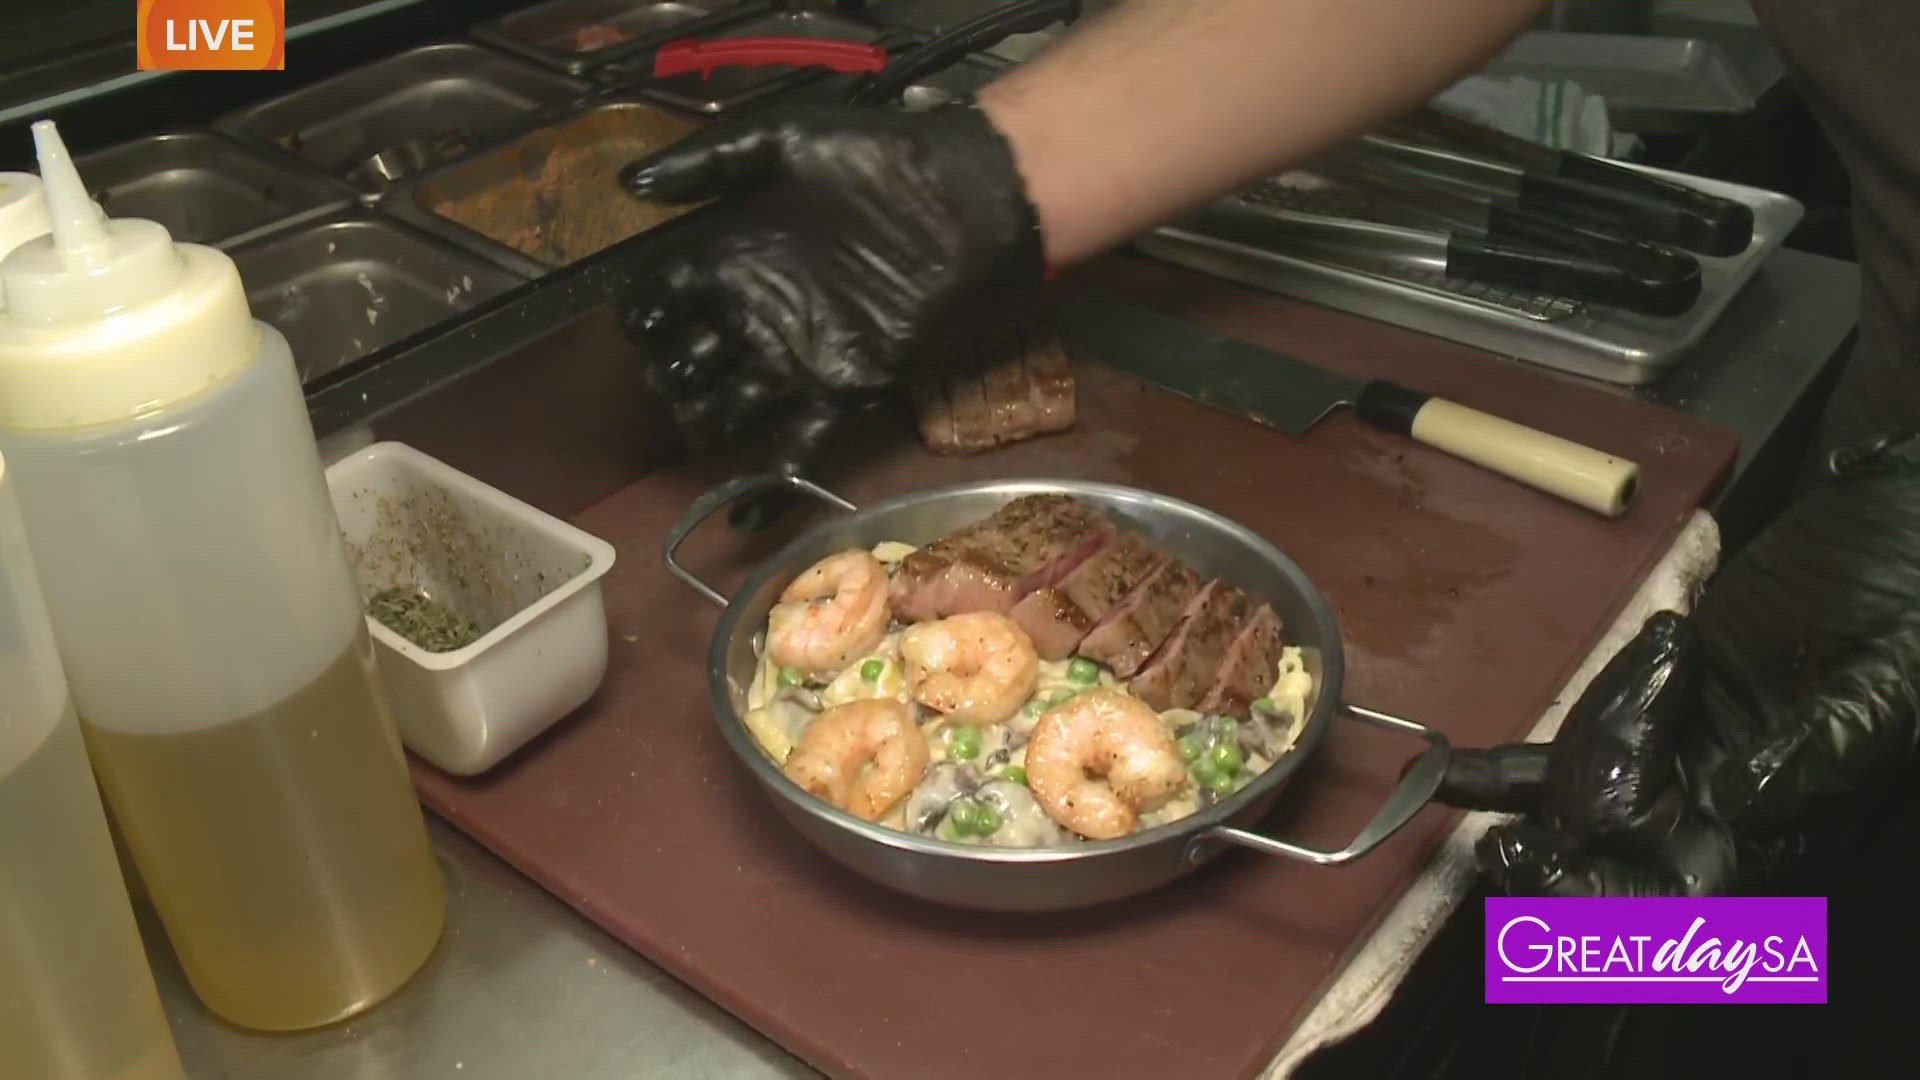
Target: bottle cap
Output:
[{"x": 107, "y": 319}]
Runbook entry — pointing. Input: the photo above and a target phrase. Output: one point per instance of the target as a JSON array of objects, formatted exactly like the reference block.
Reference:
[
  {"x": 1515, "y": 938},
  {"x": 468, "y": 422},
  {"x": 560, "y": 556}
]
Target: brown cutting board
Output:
[{"x": 1465, "y": 600}]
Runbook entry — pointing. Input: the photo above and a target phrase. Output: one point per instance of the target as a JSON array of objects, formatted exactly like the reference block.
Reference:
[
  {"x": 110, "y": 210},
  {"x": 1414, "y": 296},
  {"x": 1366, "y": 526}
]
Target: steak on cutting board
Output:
[
  {"x": 1184, "y": 669},
  {"x": 1011, "y": 385},
  {"x": 1250, "y": 669},
  {"x": 1058, "y": 618},
  {"x": 1030, "y": 543},
  {"x": 1136, "y": 626}
]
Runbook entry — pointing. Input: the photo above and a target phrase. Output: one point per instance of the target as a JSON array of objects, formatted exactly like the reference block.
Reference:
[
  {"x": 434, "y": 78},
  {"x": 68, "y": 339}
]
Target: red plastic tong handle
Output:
[{"x": 687, "y": 54}]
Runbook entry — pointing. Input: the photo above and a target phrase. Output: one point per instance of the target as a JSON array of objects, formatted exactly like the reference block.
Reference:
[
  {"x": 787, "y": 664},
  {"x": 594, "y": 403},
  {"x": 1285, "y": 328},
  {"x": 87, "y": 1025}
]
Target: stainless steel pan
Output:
[{"x": 1054, "y": 878}]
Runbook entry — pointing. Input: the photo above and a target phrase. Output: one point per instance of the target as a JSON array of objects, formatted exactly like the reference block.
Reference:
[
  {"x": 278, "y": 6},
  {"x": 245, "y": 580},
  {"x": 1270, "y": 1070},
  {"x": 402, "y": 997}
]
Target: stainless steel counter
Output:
[{"x": 522, "y": 988}]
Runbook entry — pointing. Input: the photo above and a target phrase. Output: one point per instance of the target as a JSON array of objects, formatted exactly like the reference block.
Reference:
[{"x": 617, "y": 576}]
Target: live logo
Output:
[
  {"x": 198, "y": 34},
  {"x": 212, "y": 35}
]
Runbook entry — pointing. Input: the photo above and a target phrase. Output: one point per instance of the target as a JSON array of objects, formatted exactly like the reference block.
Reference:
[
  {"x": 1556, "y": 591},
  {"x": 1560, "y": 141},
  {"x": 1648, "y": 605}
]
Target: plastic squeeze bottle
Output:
[
  {"x": 207, "y": 619},
  {"x": 77, "y": 1000}
]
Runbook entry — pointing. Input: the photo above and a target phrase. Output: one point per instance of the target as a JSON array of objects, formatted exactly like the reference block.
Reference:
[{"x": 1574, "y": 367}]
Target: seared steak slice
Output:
[
  {"x": 1182, "y": 672},
  {"x": 1250, "y": 667},
  {"x": 1136, "y": 626},
  {"x": 1011, "y": 385},
  {"x": 1030, "y": 543},
  {"x": 1055, "y": 623},
  {"x": 1058, "y": 618}
]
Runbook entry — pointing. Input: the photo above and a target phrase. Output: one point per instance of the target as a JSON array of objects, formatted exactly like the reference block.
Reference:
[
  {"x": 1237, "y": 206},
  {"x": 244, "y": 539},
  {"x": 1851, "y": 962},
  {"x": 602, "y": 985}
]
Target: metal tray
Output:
[
  {"x": 728, "y": 89},
  {"x": 1600, "y": 343},
  {"x": 421, "y": 94},
  {"x": 1642, "y": 78},
  {"x": 206, "y": 188},
  {"x": 347, "y": 286},
  {"x": 546, "y": 196},
  {"x": 561, "y": 33}
]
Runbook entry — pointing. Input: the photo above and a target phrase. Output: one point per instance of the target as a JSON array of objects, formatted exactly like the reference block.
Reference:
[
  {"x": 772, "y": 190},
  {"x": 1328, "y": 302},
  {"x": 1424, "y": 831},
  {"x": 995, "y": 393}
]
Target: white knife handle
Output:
[{"x": 1581, "y": 475}]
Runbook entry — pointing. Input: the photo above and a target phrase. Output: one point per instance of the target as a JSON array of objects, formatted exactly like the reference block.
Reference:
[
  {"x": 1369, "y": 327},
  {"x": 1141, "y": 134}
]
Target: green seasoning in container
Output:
[{"x": 418, "y": 617}]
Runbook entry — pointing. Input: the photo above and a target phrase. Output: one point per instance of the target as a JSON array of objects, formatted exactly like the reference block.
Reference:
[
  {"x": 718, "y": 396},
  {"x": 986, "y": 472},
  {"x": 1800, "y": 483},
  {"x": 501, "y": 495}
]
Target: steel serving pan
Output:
[{"x": 1061, "y": 877}]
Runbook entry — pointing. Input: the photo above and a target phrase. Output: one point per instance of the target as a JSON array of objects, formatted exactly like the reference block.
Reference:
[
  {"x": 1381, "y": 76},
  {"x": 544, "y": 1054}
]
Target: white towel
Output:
[{"x": 1360, "y": 991}]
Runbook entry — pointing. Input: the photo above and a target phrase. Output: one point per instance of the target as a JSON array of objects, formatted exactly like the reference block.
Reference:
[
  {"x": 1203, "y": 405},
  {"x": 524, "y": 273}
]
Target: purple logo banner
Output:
[{"x": 1657, "y": 950}]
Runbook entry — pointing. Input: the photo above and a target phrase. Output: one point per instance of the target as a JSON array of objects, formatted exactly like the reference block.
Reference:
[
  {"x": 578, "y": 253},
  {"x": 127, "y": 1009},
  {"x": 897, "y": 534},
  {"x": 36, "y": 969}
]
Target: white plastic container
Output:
[
  {"x": 206, "y": 618},
  {"x": 77, "y": 1001},
  {"x": 530, "y": 581}
]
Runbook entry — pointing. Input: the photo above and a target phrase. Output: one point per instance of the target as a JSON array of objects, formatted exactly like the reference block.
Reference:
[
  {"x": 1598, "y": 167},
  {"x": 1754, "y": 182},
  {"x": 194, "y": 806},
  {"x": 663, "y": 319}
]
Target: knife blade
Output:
[{"x": 1292, "y": 396}]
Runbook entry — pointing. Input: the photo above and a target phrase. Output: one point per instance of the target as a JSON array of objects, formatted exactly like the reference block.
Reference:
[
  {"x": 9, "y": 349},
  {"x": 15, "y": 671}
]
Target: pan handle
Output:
[
  {"x": 710, "y": 503},
  {"x": 1416, "y": 787}
]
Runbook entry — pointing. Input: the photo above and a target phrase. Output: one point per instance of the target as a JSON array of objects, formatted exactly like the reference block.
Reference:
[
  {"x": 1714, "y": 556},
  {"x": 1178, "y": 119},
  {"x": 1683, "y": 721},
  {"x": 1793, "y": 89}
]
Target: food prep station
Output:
[{"x": 436, "y": 232}]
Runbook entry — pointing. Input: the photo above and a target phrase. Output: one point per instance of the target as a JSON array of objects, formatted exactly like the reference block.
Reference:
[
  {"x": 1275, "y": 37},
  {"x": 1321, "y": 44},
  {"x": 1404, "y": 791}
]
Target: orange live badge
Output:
[{"x": 212, "y": 35}]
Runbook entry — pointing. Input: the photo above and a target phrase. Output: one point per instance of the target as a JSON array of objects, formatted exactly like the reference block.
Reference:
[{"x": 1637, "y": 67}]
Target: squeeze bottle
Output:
[
  {"x": 77, "y": 1000},
  {"x": 207, "y": 619}
]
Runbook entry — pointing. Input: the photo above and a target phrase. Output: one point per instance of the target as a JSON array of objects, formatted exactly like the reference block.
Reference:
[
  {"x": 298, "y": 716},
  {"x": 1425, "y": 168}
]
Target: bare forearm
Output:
[{"x": 1159, "y": 105}]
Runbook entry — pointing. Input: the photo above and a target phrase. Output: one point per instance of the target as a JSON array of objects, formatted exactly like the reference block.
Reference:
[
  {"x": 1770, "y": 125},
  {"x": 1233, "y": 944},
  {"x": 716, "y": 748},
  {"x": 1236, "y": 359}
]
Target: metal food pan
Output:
[
  {"x": 346, "y": 286},
  {"x": 206, "y": 188},
  {"x": 575, "y": 36},
  {"x": 549, "y": 195},
  {"x": 1600, "y": 343},
  {"x": 456, "y": 92},
  {"x": 1645, "y": 80},
  {"x": 731, "y": 88}
]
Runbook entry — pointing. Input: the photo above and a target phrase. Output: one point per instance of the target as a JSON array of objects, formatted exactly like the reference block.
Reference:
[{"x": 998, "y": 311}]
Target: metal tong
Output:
[{"x": 1435, "y": 147}]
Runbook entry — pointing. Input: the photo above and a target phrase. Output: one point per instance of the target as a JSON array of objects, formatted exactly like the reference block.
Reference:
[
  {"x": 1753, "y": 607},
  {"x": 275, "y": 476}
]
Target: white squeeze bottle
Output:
[
  {"x": 77, "y": 1000},
  {"x": 209, "y": 626}
]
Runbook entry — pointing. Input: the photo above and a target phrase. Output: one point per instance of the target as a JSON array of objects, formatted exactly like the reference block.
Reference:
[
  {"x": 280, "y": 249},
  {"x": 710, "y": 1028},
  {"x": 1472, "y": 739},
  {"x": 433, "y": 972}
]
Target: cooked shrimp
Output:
[
  {"x": 977, "y": 668},
  {"x": 863, "y": 757},
  {"x": 1100, "y": 759},
  {"x": 834, "y": 613}
]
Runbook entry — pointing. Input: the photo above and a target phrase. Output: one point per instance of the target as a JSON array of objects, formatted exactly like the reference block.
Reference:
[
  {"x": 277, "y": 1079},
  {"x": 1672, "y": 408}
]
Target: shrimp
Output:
[
  {"x": 834, "y": 613},
  {"x": 863, "y": 757},
  {"x": 1095, "y": 735},
  {"x": 977, "y": 668}
]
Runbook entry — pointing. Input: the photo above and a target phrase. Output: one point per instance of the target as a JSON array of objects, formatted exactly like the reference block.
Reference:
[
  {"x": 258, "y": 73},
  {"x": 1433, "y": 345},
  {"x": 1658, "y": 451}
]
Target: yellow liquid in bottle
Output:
[
  {"x": 284, "y": 851},
  {"x": 76, "y": 998}
]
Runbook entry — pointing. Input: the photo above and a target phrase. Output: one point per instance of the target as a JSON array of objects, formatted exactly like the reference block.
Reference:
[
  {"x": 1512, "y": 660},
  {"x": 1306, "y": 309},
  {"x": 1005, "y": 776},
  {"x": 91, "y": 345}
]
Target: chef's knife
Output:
[{"x": 1290, "y": 395}]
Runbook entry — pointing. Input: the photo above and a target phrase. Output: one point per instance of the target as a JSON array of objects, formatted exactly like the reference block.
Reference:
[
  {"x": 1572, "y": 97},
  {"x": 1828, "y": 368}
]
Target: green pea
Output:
[
  {"x": 1083, "y": 671},
  {"x": 1220, "y": 782},
  {"x": 1035, "y": 707},
  {"x": 948, "y": 831},
  {"x": 1015, "y": 773},
  {"x": 985, "y": 820},
  {"x": 1265, "y": 705},
  {"x": 1060, "y": 695},
  {"x": 964, "y": 743},
  {"x": 790, "y": 676},
  {"x": 1227, "y": 727},
  {"x": 963, "y": 816},
  {"x": 1225, "y": 758},
  {"x": 1204, "y": 773},
  {"x": 1189, "y": 748},
  {"x": 871, "y": 670}
]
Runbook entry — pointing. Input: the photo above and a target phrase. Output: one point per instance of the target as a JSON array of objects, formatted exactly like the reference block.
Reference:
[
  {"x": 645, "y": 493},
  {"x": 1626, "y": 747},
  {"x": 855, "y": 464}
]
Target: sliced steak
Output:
[
  {"x": 1249, "y": 669},
  {"x": 1010, "y": 385},
  {"x": 1136, "y": 626},
  {"x": 1030, "y": 543},
  {"x": 1058, "y": 618},
  {"x": 1182, "y": 672}
]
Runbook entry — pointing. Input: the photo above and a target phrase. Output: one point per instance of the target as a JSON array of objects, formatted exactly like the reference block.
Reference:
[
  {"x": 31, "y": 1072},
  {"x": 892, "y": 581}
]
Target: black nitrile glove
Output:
[
  {"x": 1720, "y": 751},
  {"x": 844, "y": 245}
]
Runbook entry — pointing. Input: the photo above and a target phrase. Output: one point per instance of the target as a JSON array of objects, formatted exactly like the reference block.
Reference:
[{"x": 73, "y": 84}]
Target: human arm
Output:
[
  {"x": 1156, "y": 106},
  {"x": 846, "y": 248}
]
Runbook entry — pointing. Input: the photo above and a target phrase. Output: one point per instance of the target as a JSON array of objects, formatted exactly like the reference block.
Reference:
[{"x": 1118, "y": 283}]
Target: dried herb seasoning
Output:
[{"x": 418, "y": 617}]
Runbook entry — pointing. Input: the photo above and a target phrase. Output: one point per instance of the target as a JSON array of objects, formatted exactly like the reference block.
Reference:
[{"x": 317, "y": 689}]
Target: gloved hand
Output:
[
  {"x": 1720, "y": 751},
  {"x": 845, "y": 243}
]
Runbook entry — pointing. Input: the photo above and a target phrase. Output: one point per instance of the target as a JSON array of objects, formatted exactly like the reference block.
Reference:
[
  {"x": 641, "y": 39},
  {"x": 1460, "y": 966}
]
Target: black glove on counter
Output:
[
  {"x": 1719, "y": 751},
  {"x": 845, "y": 243}
]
